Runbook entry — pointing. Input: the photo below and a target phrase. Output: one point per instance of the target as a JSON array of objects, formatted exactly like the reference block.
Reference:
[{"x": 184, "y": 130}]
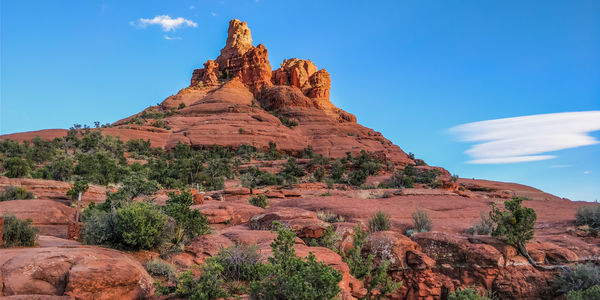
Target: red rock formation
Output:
[
  {"x": 76, "y": 271},
  {"x": 233, "y": 100}
]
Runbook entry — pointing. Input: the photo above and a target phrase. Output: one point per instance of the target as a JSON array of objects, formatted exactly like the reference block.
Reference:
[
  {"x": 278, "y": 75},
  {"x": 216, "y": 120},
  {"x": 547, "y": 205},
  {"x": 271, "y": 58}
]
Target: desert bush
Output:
[
  {"x": 484, "y": 227},
  {"x": 139, "y": 146},
  {"x": 18, "y": 233},
  {"x": 329, "y": 216},
  {"x": 16, "y": 167},
  {"x": 141, "y": 225},
  {"x": 288, "y": 276},
  {"x": 288, "y": 122},
  {"x": 259, "y": 200},
  {"x": 240, "y": 263},
  {"x": 80, "y": 186},
  {"x": 362, "y": 266},
  {"x": 380, "y": 221},
  {"x": 468, "y": 294},
  {"x": 421, "y": 221},
  {"x": 159, "y": 267},
  {"x": 15, "y": 193},
  {"x": 579, "y": 278},
  {"x": 60, "y": 169},
  {"x": 209, "y": 285},
  {"x": 133, "y": 226},
  {"x": 590, "y": 216},
  {"x": 592, "y": 293},
  {"x": 191, "y": 222},
  {"x": 329, "y": 239}
]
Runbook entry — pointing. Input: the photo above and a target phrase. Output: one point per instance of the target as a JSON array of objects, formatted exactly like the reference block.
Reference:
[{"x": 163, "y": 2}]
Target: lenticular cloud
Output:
[{"x": 521, "y": 139}]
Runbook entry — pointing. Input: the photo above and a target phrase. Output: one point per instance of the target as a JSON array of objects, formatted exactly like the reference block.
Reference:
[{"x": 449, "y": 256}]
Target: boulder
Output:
[{"x": 79, "y": 272}]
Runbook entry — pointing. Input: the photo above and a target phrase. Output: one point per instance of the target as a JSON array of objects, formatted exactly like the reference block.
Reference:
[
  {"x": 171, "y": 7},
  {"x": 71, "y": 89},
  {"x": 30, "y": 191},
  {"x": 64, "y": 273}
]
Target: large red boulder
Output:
[{"x": 79, "y": 272}]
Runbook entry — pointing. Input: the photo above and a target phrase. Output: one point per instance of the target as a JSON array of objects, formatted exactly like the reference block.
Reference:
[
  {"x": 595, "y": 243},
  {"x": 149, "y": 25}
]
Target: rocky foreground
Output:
[
  {"x": 430, "y": 264},
  {"x": 237, "y": 99}
]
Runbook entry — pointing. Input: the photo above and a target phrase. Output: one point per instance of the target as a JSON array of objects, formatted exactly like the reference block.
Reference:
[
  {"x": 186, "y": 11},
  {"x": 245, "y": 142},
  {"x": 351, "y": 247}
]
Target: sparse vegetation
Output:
[
  {"x": 18, "y": 233},
  {"x": 259, "y": 200},
  {"x": 159, "y": 267},
  {"x": 240, "y": 263},
  {"x": 15, "y": 193},
  {"x": 468, "y": 294},
  {"x": 578, "y": 279},
  {"x": 288, "y": 276},
  {"x": 421, "y": 221},
  {"x": 380, "y": 221},
  {"x": 484, "y": 227},
  {"x": 288, "y": 122},
  {"x": 362, "y": 266},
  {"x": 589, "y": 216},
  {"x": 329, "y": 216}
]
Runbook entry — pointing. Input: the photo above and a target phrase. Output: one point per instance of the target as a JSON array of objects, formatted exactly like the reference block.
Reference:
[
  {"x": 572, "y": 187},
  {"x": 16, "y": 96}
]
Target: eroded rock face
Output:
[
  {"x": 50, "y": 217},
  {"x": 79, "y": 272}
]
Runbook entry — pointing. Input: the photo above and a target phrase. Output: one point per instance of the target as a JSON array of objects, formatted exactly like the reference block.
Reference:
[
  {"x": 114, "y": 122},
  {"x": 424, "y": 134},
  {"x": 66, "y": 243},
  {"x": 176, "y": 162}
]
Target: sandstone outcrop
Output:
[{"x": 78, "y": 272}]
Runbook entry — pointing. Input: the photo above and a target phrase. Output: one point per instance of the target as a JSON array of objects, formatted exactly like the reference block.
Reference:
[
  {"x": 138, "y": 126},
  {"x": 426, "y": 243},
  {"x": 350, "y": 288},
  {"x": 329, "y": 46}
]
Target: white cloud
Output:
[
  {"x": 586, "y": 172},
  {"x": 170, "y": 38},
  {"x": 212, "y": 13},
  {"x": 521, "y": 139},
  {"x": 561, "y": 166},
  {"x": 192, "y": 7},
  {"x": 167, "y": 23}
]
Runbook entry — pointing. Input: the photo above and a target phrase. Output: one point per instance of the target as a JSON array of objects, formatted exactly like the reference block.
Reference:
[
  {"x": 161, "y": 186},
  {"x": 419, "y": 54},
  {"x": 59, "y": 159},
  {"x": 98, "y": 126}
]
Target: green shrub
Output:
[
  {"x": 288, "y": 122},
  {"x": 363, "y": 267},
  {"x": 359, "y": 265},
  {"x": 288, "y": 276},
  {"x": 133, "y": 226},
  {"x": 15, "y": 193},
  {"x": 18, "y": 233},
  {"x": 259, "y": 200},
  {"x": 421, "y": 221},
  {"x": 515, "y": 222},
  {"x": 467, "y": 294},
  {"x": 329, "y": 239},
  {"x": 210, "y": 284},
  {"x": 100, "y": 228},
  {"x": 380, "y": 221},
  {"x": 16, "y": 167},
  {"x": 578, "y": 278},
  {"x": 159, "y": 267},
  {"x": 241, "y": 263},
  {"x": 484, "y": 227},
  {"x": 80, "y": 186},
  {"x": 141, "y": 225},
  {"x": 592, "y": 293},
  {"x": 191, "y": 222},
  {"x": 181, "y": 105},
  {"x": 60, "y": 169}
]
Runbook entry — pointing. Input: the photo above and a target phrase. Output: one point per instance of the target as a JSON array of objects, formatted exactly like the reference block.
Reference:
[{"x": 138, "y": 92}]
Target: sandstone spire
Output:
[{"x": 239, "y": 39}]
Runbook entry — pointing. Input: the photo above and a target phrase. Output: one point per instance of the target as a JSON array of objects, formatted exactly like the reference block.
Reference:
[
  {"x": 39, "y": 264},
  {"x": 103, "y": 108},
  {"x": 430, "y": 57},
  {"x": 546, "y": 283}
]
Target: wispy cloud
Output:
[
  {"x": 212, "y": 13},
  {"x": 167, "y": 23},
  {"x": 170, "y": 38},
  {"x": 586, "y": 172},
  {"x": 192, "y": 7},
  {"x": 561, "y": 166},
  {"x": 521, "y": 139}
]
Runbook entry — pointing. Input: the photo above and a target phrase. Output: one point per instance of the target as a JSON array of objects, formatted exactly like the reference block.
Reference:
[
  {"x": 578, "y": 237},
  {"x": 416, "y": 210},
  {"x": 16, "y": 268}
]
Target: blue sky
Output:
[{"x": 410, "y": 69}]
